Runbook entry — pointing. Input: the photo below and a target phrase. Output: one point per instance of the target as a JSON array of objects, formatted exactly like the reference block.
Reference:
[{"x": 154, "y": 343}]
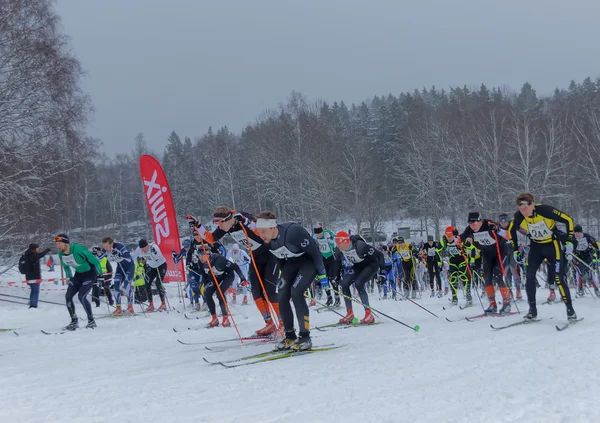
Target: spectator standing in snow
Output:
[{"x": 34, "y": 272}]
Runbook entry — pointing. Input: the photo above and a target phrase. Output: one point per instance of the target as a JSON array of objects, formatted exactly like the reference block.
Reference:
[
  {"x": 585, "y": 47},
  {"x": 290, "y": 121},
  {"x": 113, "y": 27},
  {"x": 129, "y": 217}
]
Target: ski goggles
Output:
[
  {"x": 523, "y": 204},
  {"x": 219, "y": 219}
]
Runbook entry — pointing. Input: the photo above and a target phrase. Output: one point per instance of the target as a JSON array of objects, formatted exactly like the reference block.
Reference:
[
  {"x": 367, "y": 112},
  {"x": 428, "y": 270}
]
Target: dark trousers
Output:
[
  {"x": 297, "y": 275},
  {"x": 492, "y": 272},
  {"x": 80, "y": 284},
  {"x": 408, "y": 269},
  {"x": 552, "y": 252},
  {"x": 210, "y": 289},
  {"x": 34, "y": 295},
  {"x": 269, "y": 272},
  {"x": 332, "y": 269},
  {"x": 102, "y": 287},
  {"x": 359, "y": 276},
  {"x": 156, "y": 274},
  {"x": 434, "y": 273}
]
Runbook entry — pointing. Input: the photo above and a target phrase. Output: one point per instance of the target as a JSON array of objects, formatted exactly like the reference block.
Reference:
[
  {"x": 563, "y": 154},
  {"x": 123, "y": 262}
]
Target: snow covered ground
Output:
[{"x": 133, "y": 369}]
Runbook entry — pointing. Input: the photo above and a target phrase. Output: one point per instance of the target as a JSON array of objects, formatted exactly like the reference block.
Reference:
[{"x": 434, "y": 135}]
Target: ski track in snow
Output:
[{"x": 133, "y": 369}]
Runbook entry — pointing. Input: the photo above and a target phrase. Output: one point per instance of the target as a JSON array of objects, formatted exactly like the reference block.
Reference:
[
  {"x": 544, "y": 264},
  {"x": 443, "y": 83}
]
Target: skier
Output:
[
  {"x": 117, "y": 252},
  {"x": 218, "y": 270},
  {"x": 156, "y": 271},
  {"x": 540, "y": 222},
  {"x": 432, "y": 260},
  {"x": 482, "y": 234},
  {"x": 87, "y": 268},
  {"x": 457, "y": 264},
  {"x": 365, "y": 262},
  {"x": 301, "y": 261},
  {"x": 407, "y": 254},
  {"x": 242, "y": 228},
  {"x": 33, "y": 272},
  {"x": 139, "y": 281},
  {"x": 242, "y": 259},
  {"x": 103, "y": 281},
  {"x": 332, "y": 263},
  {"x": 585, "y": 248}
]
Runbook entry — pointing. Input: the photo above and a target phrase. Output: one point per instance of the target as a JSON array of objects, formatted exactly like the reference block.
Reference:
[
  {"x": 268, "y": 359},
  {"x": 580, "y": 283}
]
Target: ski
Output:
[
  {"x": 465, "y": 307},
  {"x": 248, "y": 343},
  {"x": 6, "y": 330},
  {"x": 54, "y": 333},
  {"x": 479, "y": 316},
  {"x": 247, "y": 338},
  {"x": 566, "y": 325},
  {"x": 344, "y": 326},
  {"x": 285, "y": 354},
  {"x": 272, "y": 352},
  {"x": 522, "y": 322}
]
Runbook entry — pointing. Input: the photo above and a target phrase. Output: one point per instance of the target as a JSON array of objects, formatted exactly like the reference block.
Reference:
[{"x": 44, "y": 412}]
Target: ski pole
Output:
[
  {"x": 321, "y": 304},
  {"x": 476, "y": 288},
  {"x": 581, "y": 277},
  {"x": 415, "y": 328},
  {"x": 129, "y": 284},
  {"x": 221, "y": 292},
  {"x": 419, "y": 305},
  {"x": 504, "y": 271},
  {"x": 274, "y": 316},
  {"x": 162, "y": 286},
  {"x": 41, "y": 301}
]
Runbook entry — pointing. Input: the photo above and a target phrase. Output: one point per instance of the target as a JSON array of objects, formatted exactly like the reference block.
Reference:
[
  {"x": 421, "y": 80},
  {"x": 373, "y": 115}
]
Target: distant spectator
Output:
[
  {"x": 34, "y": 272},
  {"x": 50, "y": 263}
]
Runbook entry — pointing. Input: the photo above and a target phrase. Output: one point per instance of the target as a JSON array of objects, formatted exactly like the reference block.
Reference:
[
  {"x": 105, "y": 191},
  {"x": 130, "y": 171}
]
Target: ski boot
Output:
[
  {"x": 287, "y": 343},
  {"x": 454, "y": 301},
  {"x": 197, "y": 306},
  {"x": 91, "y": 324},
  {"x": 532, "y": 313},
  {"x": 552, "y": 296},
  {"x": 440, "y": 294},
  {"x": 118, "y": 311},
  {"x": 163, "y": 306},
  {"x": 348, "y": 318},
  {"x": 445, "y": 291},
  {"x": 329, "y": 301},
  {"x": 268, "y": 329},
  {"x": 214, "y": 322},
  {"x": 432, "y": 294},
  {"x": 368, "y": 319},
  {"x": 245, "y": 300},
  {"x": 73, "y": 325},
  {"x": 130, "y": 309},
  {"x": 469, "y": 300},
  {"x": 312, "y": 303},
  {"x": 597, "y": 292},
  {"x": 492, "y": 309},
  {"x": 226, "y": 323},
  {"x": 393, "y": 295},
  {"x": 571, "y": 315},
  {"x": 303, "y": 343},
  {"x": 580, "y": 292},
  {"x": 505, "y": 308},
  {"x": 414, "y": 295},
  {"x": 384, "y": 296},
  {"x": 337, "y": 302},
  {"x": 150, "y": 307}
]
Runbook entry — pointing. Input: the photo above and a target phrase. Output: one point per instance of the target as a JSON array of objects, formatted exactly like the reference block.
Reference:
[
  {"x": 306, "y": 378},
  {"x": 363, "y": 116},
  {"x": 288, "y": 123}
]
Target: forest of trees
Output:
[{"x": 432, "y": 153}]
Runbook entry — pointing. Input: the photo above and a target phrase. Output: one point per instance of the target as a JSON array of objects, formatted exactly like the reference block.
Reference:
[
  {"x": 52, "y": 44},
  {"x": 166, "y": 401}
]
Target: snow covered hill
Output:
[{"x": 133, "y": 369}]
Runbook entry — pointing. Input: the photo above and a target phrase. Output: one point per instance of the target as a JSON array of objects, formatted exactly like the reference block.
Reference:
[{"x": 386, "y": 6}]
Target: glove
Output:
[
  {"x": 244, "y": 283},
  {"x": 323, "y": 281},
  {"x": 176, "y": 256},
  {"x": 568, "y": 248},
  {"x": 517, "y": 256},
  {"x": 240, "y": 218},
  {"x": 192, "y": 221}
]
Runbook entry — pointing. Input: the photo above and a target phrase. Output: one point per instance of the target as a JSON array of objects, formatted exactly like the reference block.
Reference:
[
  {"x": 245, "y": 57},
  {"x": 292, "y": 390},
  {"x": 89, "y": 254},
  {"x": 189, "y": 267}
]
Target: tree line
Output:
[{"x": 432, "y": 153}]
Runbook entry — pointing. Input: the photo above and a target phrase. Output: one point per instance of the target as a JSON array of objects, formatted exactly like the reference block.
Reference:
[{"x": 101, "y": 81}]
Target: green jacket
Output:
[
  {"x": 139, "y": 274},
  {"x": 326, "y": 244},
  {"x": 80, "y": 259}
]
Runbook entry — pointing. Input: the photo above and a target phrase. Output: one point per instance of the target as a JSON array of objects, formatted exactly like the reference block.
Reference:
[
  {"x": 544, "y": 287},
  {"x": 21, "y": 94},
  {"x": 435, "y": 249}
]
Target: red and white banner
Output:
[{"x": 162, "y": 214}]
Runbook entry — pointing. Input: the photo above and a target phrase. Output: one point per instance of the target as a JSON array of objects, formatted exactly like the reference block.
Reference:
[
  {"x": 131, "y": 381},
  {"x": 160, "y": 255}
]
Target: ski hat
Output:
[
  {"x": 95, "y": 250},
  {"x": 62, "y": 238},
  {"x": 400, "y": 240},
  {"x": 235, "y": 247},
  {"x": 143, "y": 243},
  {"x": 429, "y": 237},
  {"x": 578, "y": 228},
  {"x": 449, "y": 230},
  {"x": 187, "y": 242},
  {"x": 342, "y": 237},
  {"x": 503, "y": 217},
  {"x": 33, "y": 246},
  {"x": 474, "y": 217},
  {"x": 318, "y": 228}
]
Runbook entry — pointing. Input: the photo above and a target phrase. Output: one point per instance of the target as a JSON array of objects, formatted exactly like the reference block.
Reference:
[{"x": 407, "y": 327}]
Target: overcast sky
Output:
[{"x": 160, "y": 65}]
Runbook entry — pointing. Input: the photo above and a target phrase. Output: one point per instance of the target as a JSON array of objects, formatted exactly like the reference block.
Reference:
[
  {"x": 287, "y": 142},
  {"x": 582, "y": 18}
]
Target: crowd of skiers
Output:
[{"x": 284, "y": 265}]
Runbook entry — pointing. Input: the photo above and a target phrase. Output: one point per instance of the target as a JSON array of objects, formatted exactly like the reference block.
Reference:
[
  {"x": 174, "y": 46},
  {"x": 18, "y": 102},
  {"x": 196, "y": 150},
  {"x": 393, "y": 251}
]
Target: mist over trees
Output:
[{"x": 431, "y": 153}]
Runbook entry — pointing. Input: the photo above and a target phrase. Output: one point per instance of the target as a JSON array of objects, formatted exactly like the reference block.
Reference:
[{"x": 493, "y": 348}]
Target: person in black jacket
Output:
[{"x": 34, "y": 273}]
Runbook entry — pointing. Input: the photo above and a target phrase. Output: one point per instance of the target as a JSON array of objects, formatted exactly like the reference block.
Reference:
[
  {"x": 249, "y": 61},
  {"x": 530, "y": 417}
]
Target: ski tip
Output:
[
  {"x": 15, "y": 332},
  {"x": 174, "y": 330},
  {"x": 417, "y": 328},
  {"x": 181, "y": 342}
]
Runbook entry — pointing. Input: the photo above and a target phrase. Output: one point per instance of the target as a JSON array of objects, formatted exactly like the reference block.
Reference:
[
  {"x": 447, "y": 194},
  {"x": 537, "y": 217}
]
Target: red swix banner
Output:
[{"x": 162, "y": 214}]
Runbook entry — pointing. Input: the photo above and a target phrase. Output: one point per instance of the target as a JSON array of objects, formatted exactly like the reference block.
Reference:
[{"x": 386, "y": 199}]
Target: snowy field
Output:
[{"x": 132, "y": 369}]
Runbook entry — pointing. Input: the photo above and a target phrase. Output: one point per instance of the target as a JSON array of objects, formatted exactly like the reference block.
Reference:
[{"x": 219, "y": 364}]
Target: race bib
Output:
[
  {"x": 405, "y": 254},
  {"x": 284, "y": 253},
  {"x": 352, "y": 256},
  {"x": 483, "y": 238},
  {"x": 248, "y": 243},
  {"x": 582, "y": 244},
  {"x": 539, "y": 231},
  {"x": 70, "y": 261},
  {"x": 431, "y": 252},
  {"x": 323, "y": 245},
  {"x": 453, "y": 250}
]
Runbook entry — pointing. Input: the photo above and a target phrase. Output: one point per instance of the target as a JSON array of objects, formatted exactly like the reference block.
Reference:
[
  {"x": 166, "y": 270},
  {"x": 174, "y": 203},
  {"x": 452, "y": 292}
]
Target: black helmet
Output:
[
  {"x": 578, "y": 228},
  {"x": 96, "y": 250}
]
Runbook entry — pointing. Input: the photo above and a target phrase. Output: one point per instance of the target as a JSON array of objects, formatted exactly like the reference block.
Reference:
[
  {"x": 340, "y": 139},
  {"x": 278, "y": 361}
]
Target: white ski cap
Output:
[{"x": 265, "y": 223}]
